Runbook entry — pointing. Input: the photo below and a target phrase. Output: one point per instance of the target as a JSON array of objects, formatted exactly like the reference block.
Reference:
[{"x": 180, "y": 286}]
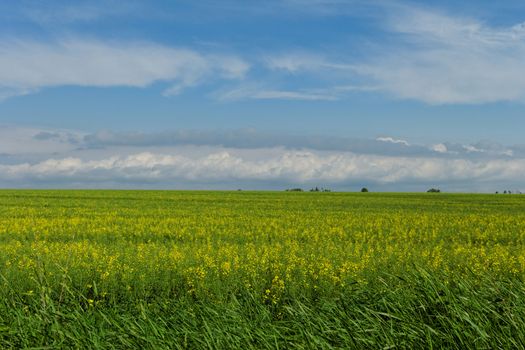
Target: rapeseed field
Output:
[{"x": 190, "y": 269}]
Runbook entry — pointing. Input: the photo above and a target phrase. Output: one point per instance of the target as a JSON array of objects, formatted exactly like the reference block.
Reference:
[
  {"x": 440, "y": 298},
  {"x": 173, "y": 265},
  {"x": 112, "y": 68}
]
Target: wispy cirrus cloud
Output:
[
  {"x": 430, "y": 56},
  {"x": 27, "y": 66},
  {"x": 426, "y": 55},
  {"x": 443, "y": 59},
  {"x": 296, "y": 62},
  {"x": 262, "y": 93}
]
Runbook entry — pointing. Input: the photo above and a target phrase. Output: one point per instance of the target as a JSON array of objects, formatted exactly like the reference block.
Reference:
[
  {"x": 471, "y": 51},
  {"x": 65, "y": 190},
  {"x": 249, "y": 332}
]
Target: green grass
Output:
[{"x": 261, "y": 270}]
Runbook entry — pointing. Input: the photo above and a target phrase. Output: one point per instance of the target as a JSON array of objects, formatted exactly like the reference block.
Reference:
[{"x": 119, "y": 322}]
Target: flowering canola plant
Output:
[{"x": 106, "y": 245}]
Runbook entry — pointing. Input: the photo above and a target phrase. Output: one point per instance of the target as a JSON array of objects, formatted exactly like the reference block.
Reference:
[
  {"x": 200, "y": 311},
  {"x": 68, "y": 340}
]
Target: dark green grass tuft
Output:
[{"x": 416, "y": 310}]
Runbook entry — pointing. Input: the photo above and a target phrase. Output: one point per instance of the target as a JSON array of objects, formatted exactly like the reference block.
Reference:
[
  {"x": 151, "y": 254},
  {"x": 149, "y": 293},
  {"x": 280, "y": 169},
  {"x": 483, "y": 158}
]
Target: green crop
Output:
[{"x": 173, "y": 269}]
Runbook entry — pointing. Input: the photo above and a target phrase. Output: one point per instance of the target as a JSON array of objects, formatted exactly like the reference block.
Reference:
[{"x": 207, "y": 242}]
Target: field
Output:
[{"x": 169, "y": 269}]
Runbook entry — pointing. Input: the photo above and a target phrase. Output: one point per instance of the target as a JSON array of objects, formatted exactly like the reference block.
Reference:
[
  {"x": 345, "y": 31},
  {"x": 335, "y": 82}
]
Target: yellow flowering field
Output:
[{"x": 71, "y": 261}]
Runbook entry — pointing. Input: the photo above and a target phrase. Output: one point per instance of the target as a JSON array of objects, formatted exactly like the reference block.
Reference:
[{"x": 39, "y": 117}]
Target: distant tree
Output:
[
  {"x": 364, "y": 189},
  {"x": 497, "y": 192},
  {"x": 294, "y": 190},
  {"x": 316, "y": 189},
  {"x": 505, "y": 192},
  {"x": 434, "y": 190}
]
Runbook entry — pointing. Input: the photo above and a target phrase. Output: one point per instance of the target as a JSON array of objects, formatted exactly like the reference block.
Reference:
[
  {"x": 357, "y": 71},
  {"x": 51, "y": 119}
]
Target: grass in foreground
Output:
[{"x": 120, "y": 269}]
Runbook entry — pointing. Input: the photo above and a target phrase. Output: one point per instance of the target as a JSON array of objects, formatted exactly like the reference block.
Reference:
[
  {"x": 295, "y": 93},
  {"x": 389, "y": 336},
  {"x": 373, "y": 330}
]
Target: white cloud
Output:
[
  {"x": 433, "y": 57},
  {"x": 392, "y": 140},
  {"x": 291, "y": 95},
  {"x": 260, "y": 93},
  {"x": 444, "y": 59},
  {"x": 488, "y": 148},
  {"x": 470, "y": 148},
  {"x": 439, "y": 147},
  {"x": 430, "y": 56},
  {"x": 34, "y": 157},
  {"x": 301, "y": 167},
  {"x": 9, "y": 92},
  {"x": 300, "y": 61},
  {"x": 28, "y": 66}
]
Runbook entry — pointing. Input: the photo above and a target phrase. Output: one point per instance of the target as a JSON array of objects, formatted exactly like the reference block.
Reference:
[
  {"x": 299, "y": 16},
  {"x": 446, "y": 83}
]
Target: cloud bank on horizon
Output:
[
  {"x": 248, "y": 159},
  {"x": 211, "y": 65}
]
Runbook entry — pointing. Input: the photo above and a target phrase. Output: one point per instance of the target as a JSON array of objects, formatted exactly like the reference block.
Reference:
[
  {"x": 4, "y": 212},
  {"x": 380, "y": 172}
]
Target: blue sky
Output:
[{"x": 399, "y": 95}]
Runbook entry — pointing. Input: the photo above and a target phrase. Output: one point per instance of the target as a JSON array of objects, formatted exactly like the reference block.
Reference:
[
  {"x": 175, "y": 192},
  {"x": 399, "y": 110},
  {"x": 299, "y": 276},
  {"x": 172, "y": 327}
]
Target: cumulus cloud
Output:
[
  {"x": 36, "y": 157},
  {"x": 26, "y": 66},
  {"x": 285, "y": 167}
]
